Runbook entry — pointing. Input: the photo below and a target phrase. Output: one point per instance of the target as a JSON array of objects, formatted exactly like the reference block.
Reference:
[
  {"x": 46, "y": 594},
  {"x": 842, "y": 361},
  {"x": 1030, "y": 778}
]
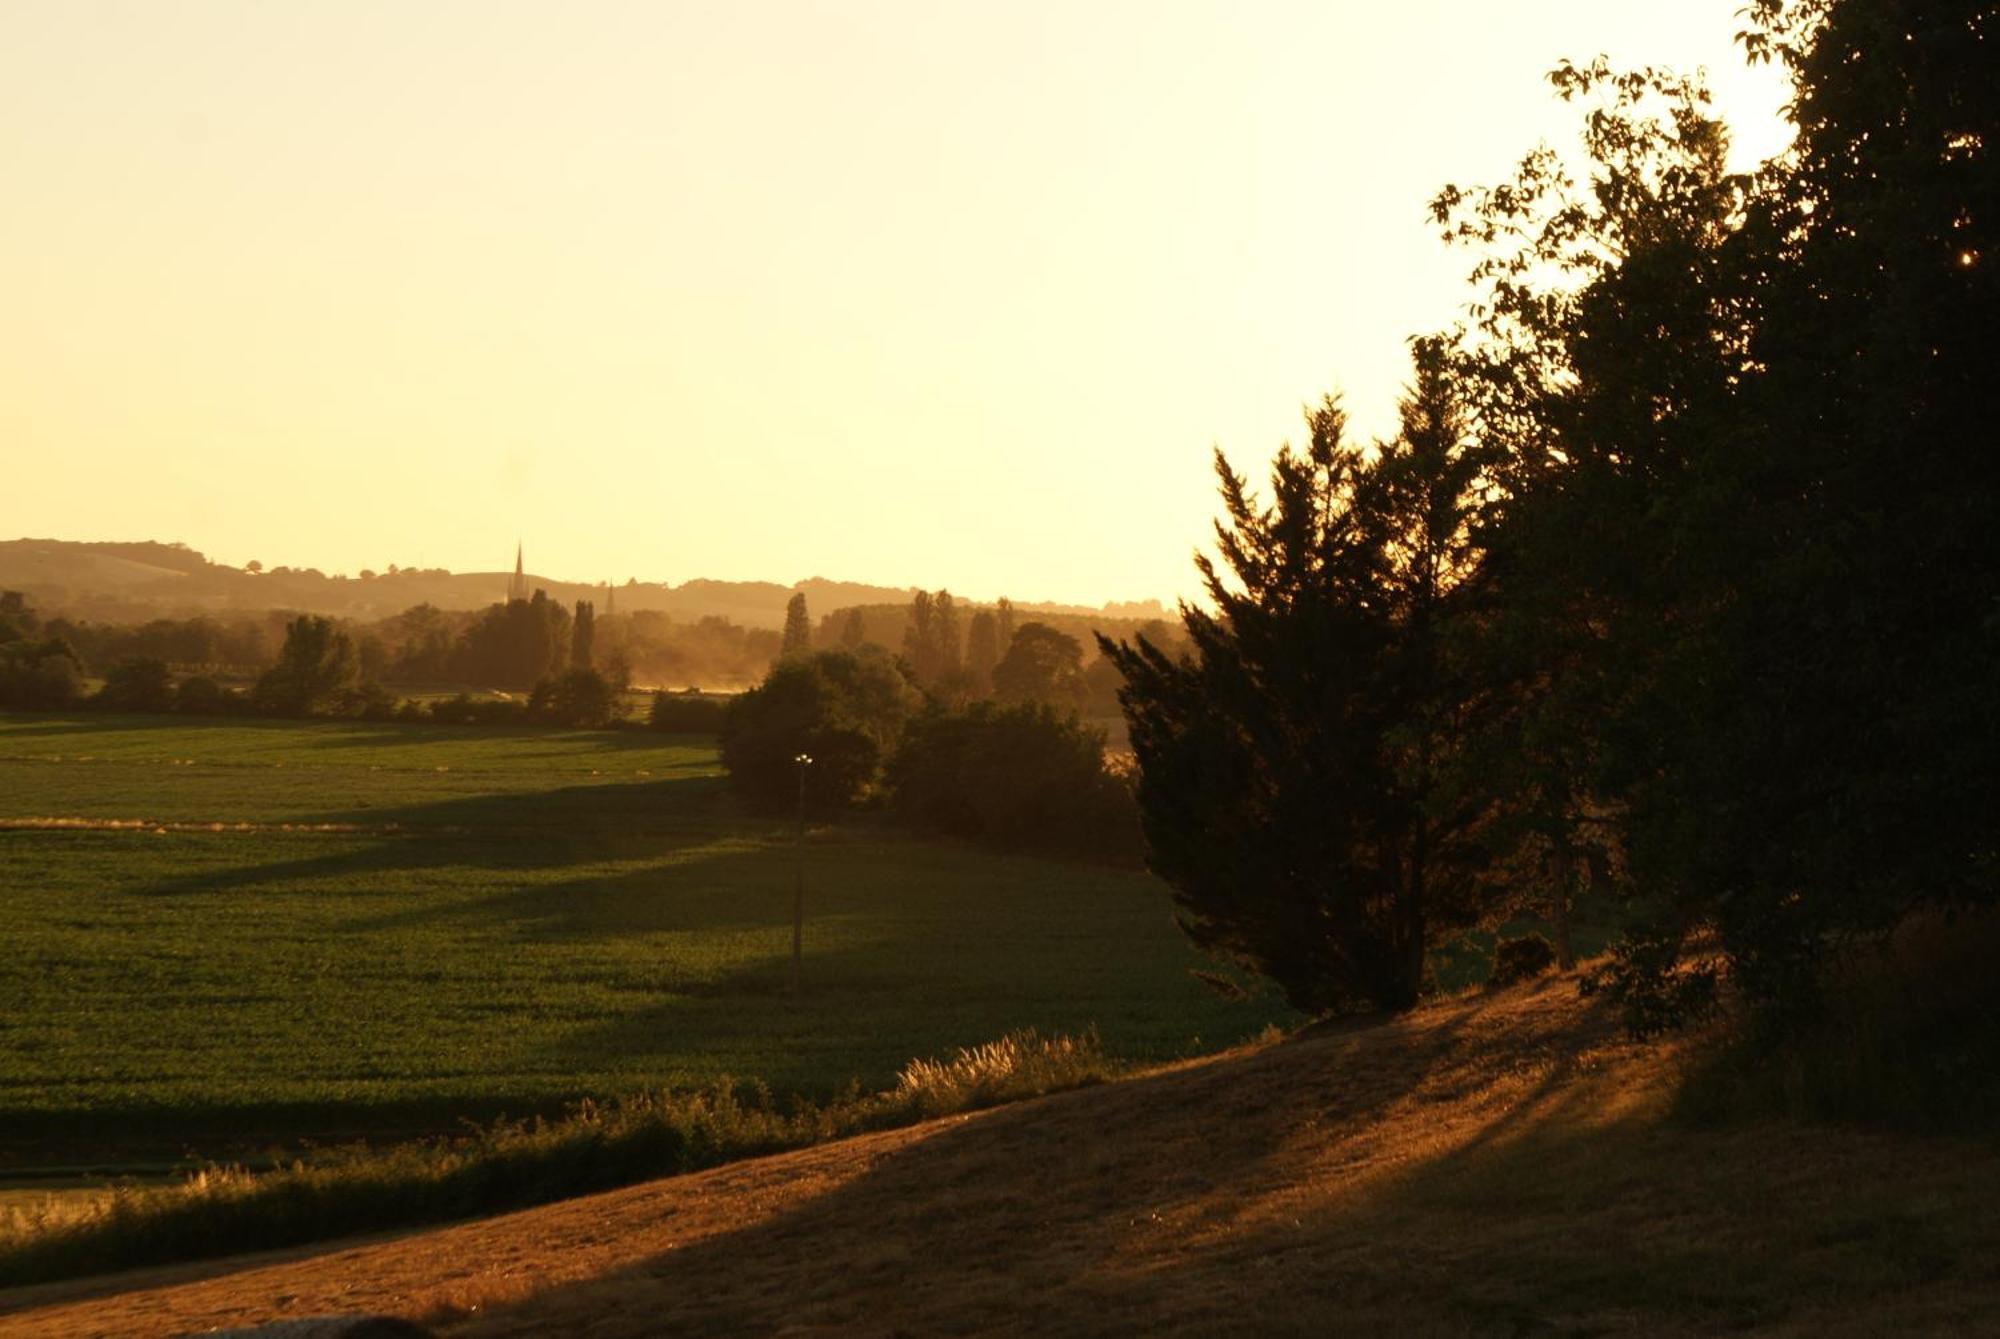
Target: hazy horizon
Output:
[{"x": 918, "y": 295}]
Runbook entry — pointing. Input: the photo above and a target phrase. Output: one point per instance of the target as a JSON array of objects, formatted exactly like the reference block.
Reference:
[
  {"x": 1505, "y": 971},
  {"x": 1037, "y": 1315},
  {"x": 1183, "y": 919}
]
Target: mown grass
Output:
[
  {"x": 498, "y": 922},
  {"x": 222, "y": 1210}
]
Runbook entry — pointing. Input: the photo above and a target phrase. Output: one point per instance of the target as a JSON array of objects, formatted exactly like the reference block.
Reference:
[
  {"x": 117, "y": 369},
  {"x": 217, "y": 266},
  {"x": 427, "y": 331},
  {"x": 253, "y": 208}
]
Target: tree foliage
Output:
[
  {"x": 317, "y": 663},
  {"x": 1021, "y": 778},
  {"x": 798, "y": 627},
  {"x": 1041, "y": 664},
  {"x": 843, "y": 711},
  {"x": 1295, "y": 766}
]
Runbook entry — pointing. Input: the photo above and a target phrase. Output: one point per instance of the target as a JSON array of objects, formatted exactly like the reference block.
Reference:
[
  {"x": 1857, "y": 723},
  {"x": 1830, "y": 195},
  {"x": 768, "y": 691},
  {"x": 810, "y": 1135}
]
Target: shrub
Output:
[
  {"x": 1521, "y": 959},
  {"x": 577, "y": 697},
  {"x": 1023, "y": 778},
  {"x": 687, "y": 713},
  {"x": 202, "y": 696},
  {"x": 40, "y": 674},
  {"x": 137, "y": 683}
]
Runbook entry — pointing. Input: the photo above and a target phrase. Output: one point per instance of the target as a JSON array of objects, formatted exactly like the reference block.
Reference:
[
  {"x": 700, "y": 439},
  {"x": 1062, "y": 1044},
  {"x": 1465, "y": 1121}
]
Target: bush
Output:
[
  {"x": 137, "y": 683},
  {"x": 1022, "y": 778},
  {"x": 687, "y": 713},
  {"x": 203, "y": 696},
  {"x": 843, "y": 711},
  {"x": 369, "y": 702},
  {"x": 578, "y": 697},
  {"x": 1522, "y": 959},
  {"x": 42, "y": 674}
]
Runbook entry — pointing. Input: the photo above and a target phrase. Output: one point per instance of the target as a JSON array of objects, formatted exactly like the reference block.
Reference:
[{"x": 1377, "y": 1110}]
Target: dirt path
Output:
[{"x": 1483, "y": 1167}]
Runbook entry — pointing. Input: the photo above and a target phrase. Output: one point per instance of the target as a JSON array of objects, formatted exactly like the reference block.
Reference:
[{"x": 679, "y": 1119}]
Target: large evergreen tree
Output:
[{"x": 1294, "y": 766}]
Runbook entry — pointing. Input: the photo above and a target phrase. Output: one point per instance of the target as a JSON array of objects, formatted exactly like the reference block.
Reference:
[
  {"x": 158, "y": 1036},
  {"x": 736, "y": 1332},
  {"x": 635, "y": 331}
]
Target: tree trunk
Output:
[{"x": 1559, "y": 911}]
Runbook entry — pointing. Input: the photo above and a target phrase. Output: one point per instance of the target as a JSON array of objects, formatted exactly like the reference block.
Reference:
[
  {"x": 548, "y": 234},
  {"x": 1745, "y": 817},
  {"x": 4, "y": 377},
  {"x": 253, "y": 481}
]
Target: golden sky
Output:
[{"x": 924, "y": 292}]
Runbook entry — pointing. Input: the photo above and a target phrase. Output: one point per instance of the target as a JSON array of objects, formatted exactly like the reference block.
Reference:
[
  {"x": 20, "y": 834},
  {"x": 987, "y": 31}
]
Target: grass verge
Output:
[{"x": 223, "y": 1210}]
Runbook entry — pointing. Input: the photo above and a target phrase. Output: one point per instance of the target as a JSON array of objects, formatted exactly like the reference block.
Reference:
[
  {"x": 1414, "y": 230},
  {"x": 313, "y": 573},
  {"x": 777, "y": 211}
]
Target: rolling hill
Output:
[{"x": 1501, "y": 1165}]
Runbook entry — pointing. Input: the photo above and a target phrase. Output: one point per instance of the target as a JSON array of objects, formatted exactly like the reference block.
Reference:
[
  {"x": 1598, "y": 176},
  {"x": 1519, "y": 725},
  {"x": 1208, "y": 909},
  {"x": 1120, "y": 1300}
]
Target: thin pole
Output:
[{"x": 799, "y": 881}]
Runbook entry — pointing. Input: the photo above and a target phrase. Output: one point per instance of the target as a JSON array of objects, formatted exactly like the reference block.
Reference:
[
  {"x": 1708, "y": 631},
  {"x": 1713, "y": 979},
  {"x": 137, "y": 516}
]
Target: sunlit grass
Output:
[{"x": 506, "y": 921}]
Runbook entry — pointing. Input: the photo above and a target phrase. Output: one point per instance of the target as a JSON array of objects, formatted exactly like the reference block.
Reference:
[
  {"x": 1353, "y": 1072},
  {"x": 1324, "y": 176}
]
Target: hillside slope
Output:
[{"x": 1490, "y": 1166}]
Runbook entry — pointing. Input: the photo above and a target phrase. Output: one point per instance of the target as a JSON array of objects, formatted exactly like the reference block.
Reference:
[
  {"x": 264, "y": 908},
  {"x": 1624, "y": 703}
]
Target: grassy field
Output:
[{"x": 229, "y": 932}]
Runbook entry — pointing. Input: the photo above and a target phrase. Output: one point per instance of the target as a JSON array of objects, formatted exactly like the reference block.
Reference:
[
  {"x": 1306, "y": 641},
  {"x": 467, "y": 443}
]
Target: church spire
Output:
[{"x": 517, "y": 589}]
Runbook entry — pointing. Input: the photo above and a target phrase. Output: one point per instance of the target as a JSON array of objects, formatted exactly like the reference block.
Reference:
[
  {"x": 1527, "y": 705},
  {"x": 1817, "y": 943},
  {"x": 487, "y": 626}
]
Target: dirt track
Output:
[{"x": 1482, "y": 1167}]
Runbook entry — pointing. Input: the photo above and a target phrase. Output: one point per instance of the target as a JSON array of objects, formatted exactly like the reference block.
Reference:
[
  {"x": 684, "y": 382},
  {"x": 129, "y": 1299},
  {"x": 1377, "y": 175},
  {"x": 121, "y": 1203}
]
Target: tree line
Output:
[{"x": 1676, "y": 588}]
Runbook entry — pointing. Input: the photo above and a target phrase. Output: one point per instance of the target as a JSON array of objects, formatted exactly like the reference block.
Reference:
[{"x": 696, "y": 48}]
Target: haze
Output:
[{"x": 917, "y": 293}]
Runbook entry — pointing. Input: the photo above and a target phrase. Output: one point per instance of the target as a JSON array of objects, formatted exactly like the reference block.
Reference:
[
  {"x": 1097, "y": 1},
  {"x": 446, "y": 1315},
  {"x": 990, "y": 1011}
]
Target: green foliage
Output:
[
  {"x": 514, "y": 645},
  {"x": 842, "y": 711},
  {"x": 137, "y": 684},
  {"x": 798, "y": 627},
  {"x": 1022, "y": 778},
  {"x": 577, "y": 697},
  {"x": 39, "y": 673},
  {"x": 1910, "y": 1039},
  {"x": 1521, "y": 958},
  {"x": 1745, "y": 546},
  {"x": 316, "y": 665},
  {"x": 1296, "y": 778},
  {"x": 199, "y": 695},
  {"x": 583, "y": 637},
  {"x": 687, "y": 713},
  {"x": 1040, "y": 665}
]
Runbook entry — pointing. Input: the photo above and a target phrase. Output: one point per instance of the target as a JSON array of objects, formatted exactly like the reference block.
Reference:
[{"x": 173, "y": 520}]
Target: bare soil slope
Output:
[{"x": 1493, "y": 1166}]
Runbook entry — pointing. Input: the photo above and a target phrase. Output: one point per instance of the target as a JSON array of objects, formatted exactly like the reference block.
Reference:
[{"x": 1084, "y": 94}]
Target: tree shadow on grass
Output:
[
  {"x": 537, "y": 830},
  {"x": 1006, "y": 1218}
]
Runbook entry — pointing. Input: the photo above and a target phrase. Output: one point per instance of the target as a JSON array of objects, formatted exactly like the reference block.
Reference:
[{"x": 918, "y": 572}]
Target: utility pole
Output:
[{"x": 804, "y": 761}]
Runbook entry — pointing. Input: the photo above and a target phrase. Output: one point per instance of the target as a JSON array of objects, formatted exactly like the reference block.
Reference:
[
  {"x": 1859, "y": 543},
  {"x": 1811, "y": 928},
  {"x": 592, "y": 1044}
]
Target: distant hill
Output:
[{"x": 121, "y": 582}]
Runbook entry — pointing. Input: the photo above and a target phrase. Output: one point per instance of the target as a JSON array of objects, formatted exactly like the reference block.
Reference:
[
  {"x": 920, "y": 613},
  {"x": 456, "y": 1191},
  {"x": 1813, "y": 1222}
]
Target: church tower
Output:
[{"x": 517, "y": 589}]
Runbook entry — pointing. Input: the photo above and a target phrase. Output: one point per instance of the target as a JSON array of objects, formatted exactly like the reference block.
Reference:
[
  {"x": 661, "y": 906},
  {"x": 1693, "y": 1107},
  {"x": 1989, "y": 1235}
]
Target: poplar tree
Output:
[{"x": 798, "y": 628}]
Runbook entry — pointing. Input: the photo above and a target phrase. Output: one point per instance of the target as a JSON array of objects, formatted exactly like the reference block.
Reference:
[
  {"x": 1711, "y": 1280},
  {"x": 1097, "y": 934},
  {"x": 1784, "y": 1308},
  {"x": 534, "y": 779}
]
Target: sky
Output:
[{"x": 918, "y": 293}]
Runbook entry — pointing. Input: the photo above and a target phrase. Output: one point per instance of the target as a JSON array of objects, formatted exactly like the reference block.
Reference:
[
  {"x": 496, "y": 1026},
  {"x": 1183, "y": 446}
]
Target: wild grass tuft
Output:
[
  {"x": 509, "y": 1165},
  {"x": 1020, "y": 1064}
]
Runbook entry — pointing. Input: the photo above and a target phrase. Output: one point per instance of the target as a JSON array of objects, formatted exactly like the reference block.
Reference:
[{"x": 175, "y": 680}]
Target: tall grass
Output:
[
  {"x": 509, "y": 1165},
  {"x": 1909, "y": 1039}
]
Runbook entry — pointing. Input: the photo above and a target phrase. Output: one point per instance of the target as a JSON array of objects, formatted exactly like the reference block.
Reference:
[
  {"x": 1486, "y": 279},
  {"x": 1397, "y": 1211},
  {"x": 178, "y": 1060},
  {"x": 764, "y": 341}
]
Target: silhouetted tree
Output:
[
  {"x": 315, "y": 665},
  {"x": 1023, "y": 777},
  {"x": 576, "y": 697},
  {"x": 583, "y": 636},
  {"x": 798, "y": 627},
  {"x": 35, "y": 671},
  {"x": 982, "y": 652},
  {"x": 1041, "y": 665},
  {"x": 137, "y": 684},
  {"x": 1295, "y": 768},
  {"x": 842, "y": 710},
  {"x": 854, "y": 631},
  {"x": 514, "y": 645}
]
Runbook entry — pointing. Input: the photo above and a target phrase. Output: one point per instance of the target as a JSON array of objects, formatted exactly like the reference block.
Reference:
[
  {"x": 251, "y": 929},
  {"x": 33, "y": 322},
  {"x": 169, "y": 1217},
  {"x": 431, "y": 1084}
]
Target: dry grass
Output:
[
  {"x": 1498, "y": 1166},
  {"x": 221, "y": 1210}
]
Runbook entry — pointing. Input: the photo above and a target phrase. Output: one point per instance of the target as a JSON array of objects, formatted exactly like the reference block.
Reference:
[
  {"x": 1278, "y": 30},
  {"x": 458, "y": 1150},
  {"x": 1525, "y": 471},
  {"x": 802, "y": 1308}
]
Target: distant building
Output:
[{"x": 517, "y": 589}]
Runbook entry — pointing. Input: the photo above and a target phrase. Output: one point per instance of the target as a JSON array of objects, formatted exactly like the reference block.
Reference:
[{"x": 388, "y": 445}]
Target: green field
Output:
[{"x": 333, "y": 928}]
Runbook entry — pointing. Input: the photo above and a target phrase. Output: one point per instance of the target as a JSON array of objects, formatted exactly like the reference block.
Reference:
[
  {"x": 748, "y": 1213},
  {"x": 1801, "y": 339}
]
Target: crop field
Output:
[{"x": 229, "y": 932}]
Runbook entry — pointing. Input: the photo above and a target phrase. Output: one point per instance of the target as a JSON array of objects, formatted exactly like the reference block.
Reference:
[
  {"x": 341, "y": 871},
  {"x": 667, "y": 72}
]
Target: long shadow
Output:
[
  {"x": 1071, "y": 1190},
  {"x": 523, "y": 830},
  {"x": 1051, "y": 1181},
  {"x": 634, "y": 902}
]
